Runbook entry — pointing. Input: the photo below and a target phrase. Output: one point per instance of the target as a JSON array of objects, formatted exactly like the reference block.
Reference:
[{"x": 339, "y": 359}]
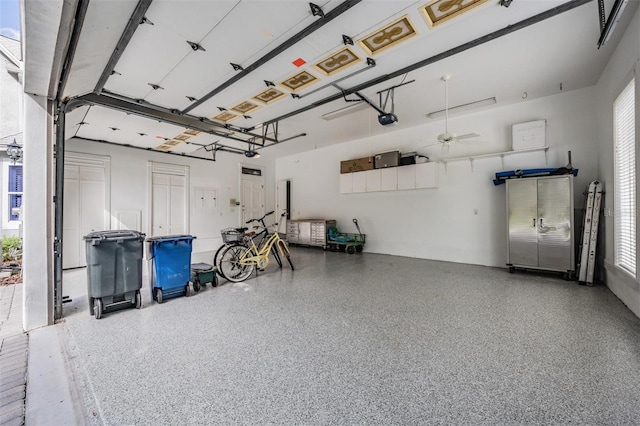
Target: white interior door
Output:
[
  {"x": 168, "y": 204},
  {"x": 86, "y": 207},
  {"x": 72, "y": 234},
  {"x": 252, "y": 198}
]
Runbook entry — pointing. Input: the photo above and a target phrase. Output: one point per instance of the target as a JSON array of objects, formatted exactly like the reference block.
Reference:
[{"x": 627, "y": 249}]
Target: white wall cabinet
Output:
[
  {"x": 414, "y": 176},
  {"x": 389, "y": 179},
  {"x": 373, "y": 180},
  {"x": 407, "y": 177}
]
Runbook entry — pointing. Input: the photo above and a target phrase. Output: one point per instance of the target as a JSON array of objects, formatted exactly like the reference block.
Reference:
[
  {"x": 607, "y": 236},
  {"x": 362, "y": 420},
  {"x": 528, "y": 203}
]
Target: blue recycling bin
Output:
[{"x": 171, "y": 271}]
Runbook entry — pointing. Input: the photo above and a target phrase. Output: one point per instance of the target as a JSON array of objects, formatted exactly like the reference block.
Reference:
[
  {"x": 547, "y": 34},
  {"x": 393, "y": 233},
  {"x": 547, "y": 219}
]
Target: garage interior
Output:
[{"x": 188, "y": 117}]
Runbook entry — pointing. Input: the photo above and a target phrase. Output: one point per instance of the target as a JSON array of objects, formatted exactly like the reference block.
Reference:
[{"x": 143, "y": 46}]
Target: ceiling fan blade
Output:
[
  {"x": 433, "y": 144},
  {"x": 444, "y": 150},
  {"x": 468, "y": 136},
  {"x": 426, "y": 146}
]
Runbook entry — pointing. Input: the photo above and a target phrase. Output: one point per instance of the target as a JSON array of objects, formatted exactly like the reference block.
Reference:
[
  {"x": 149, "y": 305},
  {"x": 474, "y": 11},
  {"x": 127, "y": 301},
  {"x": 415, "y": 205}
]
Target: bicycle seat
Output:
[{"x": 241, "y": 229}]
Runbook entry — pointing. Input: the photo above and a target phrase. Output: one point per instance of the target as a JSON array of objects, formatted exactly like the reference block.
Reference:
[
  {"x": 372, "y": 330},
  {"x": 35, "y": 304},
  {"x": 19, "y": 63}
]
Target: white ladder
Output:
[{"x": 590, "y": 233}]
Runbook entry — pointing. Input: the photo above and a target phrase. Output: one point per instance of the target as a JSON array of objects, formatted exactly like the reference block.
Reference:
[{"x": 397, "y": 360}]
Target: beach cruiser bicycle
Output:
[
  {"x": 240, "y": 237},
  {"x": 237, "y": 262}
]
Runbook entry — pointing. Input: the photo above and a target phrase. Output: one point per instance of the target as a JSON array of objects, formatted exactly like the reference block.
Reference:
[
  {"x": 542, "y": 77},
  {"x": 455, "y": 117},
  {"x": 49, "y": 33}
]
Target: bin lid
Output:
[
  {"x": 120, "y": 235},
  {"x": 201, "y": 267},
  {"x": 164, "y": 238}
]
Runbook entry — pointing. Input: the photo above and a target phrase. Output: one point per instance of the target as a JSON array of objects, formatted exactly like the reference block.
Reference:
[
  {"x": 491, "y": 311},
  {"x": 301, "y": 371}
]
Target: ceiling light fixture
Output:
[
  {"x": 252, "y": 154},
  {"x": 195, "y": 46},
  {"x": 464, "y": 107},
  {"x": 316, "y": 10}
]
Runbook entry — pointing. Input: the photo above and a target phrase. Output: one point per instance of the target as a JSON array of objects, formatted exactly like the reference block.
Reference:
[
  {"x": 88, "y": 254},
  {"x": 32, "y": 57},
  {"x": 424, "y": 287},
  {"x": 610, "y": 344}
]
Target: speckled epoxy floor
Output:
[{"x": 362, "y": 339}]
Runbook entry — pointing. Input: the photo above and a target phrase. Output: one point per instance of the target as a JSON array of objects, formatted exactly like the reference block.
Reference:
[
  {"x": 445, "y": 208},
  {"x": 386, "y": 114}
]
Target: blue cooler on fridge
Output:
[{"x": 171, "y": 271}]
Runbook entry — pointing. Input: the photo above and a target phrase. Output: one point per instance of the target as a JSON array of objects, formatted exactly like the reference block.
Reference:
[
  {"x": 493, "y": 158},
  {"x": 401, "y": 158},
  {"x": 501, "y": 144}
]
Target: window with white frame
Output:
[
  {"x": 14, "y": 191},
  {"x": 624, "y": 141}
]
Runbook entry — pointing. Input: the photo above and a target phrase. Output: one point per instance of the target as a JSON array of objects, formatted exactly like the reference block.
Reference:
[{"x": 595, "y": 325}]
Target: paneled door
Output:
[
  {"x": 169, "y": 198},
  {"x": 86, "y": 204},
  {"x": 168, "y": 202},
  {"x": 253, "y": 199}
]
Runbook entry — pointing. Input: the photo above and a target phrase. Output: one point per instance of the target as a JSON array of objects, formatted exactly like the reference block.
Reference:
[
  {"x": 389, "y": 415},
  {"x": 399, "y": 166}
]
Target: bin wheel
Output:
[
  {"x": 214, "y": 283},
  {"x": 351, "y": 250},
  {"x": 196, "y": 285},
  {"x": 187, "y": 290},
  {"x": 159, "y": 295},
  {"x": 512, "y": 269},
  {"x": 138, "y": 300},
  {"x": 97, "y": 308},
  {"x": 359, "y": 249},
  {"x": 333, "y": 247}
]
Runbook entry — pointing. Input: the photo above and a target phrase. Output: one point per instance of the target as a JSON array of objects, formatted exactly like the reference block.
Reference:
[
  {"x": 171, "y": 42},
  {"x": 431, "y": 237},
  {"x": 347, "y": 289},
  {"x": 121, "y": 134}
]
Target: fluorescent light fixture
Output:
[
  {"x": 345, "y": 111},
  {"x": 464, "y": 107}
]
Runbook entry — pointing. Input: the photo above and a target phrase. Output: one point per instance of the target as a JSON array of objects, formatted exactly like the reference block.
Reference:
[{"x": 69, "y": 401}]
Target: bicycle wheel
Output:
[
  {"x": 218, "y": 255},
  {"x": 286, "y": 252},
  {"x": 230, "y": 267}
]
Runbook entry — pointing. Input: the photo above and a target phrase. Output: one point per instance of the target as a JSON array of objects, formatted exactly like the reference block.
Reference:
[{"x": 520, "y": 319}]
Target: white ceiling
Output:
[{"x": 538, "y": 60}]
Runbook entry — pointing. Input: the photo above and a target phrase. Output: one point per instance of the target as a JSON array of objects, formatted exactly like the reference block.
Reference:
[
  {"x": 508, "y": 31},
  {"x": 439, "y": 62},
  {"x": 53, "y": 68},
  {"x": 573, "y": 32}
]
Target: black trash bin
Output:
[{"x": 114, "y": 269}]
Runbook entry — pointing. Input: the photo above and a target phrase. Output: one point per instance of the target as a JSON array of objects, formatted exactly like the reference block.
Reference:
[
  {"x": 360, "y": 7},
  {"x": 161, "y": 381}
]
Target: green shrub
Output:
[{"x": 11, "y": 248}]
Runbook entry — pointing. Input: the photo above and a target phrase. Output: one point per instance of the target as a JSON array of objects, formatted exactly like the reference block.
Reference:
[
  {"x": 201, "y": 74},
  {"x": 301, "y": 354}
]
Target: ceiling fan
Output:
[{"x": 447, "y": 137}]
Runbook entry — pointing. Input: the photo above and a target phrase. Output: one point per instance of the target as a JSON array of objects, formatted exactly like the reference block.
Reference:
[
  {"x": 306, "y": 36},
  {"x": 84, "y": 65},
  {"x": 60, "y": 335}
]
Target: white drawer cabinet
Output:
[{"x": 309, "y": 232}]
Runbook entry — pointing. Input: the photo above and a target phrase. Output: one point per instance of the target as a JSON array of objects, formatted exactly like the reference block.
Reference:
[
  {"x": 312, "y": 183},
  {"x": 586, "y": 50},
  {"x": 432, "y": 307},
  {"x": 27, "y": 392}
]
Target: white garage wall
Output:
[
  {"x": 621, "y": 64},
  {"x": 129, "y": 187},
  {"x": 464, "y": 220}
]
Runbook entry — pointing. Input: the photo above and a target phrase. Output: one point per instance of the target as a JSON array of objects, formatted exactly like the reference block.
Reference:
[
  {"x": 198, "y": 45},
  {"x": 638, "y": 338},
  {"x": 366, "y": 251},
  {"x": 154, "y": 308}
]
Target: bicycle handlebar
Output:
[{"x": 261, "y": 219}]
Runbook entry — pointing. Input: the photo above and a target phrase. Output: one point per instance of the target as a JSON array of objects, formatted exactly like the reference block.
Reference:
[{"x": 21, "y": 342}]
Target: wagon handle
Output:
[{"x": 358, "y": 226}]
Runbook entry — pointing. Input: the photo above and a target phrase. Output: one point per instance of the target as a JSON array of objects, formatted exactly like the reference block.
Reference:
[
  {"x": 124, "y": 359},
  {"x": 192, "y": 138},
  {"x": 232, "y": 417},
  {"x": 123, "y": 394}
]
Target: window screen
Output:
[{"x": 625, "y": 179}]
